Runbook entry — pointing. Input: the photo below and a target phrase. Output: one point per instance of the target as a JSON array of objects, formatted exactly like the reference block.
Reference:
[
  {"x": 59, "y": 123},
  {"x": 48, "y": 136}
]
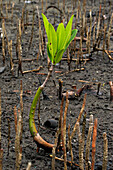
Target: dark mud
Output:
[{"x": 98, "y": 69}]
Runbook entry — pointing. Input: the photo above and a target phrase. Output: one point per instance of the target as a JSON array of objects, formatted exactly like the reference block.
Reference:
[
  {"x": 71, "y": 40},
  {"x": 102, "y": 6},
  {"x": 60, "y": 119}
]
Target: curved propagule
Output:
[
  {"x": 58, "y": 42},
  {"x": 37, "y": 138}
]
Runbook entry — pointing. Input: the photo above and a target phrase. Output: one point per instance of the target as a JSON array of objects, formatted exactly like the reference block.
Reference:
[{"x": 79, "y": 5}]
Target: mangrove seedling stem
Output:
[{"x": 32, "y": 125}]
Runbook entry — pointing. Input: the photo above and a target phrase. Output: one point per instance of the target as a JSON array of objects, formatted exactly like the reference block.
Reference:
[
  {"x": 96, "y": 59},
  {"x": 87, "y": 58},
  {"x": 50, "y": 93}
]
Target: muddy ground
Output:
[{"x": 99, "y": 69}]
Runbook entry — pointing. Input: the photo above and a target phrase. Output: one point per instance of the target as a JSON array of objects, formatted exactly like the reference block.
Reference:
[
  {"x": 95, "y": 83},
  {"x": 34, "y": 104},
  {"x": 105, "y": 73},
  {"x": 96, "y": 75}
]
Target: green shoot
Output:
[{"x": 58, "y": 42}]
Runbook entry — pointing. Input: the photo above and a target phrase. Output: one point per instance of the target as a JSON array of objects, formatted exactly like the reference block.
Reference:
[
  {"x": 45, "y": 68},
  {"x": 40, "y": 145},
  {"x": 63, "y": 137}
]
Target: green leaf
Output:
[
  {"x": 74, "y": 32},
  {"x": 68, "y": 30},
  {"x": 46, "y": 23},
  {"x": 49, "y": 53},
  {"x": 60, "y": 36},
  {"x": 58, "y": 41},
  {"x": 59, "y": 56},
  {"x": 52, "y": 40}
]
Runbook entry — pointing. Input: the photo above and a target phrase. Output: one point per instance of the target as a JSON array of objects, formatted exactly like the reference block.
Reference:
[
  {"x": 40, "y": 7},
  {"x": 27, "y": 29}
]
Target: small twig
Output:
[
  {"x": 1, "y": 158},
  {"x": 81, "y": 164},
  {"x": 19, "y": 49},
  {"x": 40, "y": 32},
  {"x": 29, "y": 166},
  {"x": 68, "y": 59},
  {"x": 11, "y": 59},
  {"x": 60, "y": 159},
  {"x": 1, "y": 150},
  {"x": 104, "y": 37},
  {"x": 79, "y": 117},
  {"x": 64, "y": 6},
  {"x": 32, "y": 30},
  {"x": 79, "y": 38},
  {"x": 1, "y": 6},
  {"x": 30, "y": 71},
  {"x": 108, "y": 55},
  {"x": 64, "y": 132},
  {"x": 70, "y": 145},
  {"x": 0, "y": 119},
  {"x": 90, "y": 31},
  {"x": 111, "y": 90},
  {"x": 15, "y": 118},
  {"x": 98, "y": 88},
  {"x": 26, "y": 24},
  {"x": 88, "y": 82},
  {"x": 87, "y": 42},
  {"x": 88, "y": 142},
  {"x": 4, "y": 18},
  {"x": 18, "y": 148},
  {"x": 22, "y": 17},
  {"x": 81, "y": 34},
  {"x": 74, "y": 59},
  {"x": 81, "y": 69},
  {"x": 54, "y": 149},
  {"x": 60, "y": 88},
  {"x": 8, "y": 136},
  {"x": 64, "y": 121},
  {"x": 3, "y": 41},
  {"x": 61, "y": 123},
  {"x": 98, "y": 26},
  {"x": 79, "y": 91},
  {"x": 94, "y": 34},
  {"x": 94, "y": 144},
  {"x": 6, "y": 10},
  {"x": 52, "y": 6},
  {"x": 24, "y": 60},
  {"x": 83, "y": 132},
  {"x": 21, "y": 108},
  {"x": 110, "y": 25},
  {"x": 42, "y": 7},
  {"x": 12, "y": 12},
  {"x": 105, "y": 155}
]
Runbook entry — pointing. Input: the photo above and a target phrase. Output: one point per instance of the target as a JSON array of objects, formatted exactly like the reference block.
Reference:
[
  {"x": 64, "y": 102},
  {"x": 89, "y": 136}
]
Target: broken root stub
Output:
[{"x": 111, "y": 90}]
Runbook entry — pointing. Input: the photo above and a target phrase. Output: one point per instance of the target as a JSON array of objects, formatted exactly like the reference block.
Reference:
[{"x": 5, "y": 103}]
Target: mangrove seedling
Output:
[{"x": 58, "y": 42}]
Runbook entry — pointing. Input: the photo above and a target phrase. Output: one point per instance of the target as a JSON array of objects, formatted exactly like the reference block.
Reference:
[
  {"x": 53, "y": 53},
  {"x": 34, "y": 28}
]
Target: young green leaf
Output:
[
  {"x": 59, "y": 56},
  {"x": 60, "y": 36},
  {"x": 49, "y": 53},
  {"x": 58, "y": 41},
  {"x": 74, "y": 32},
  {"x": 68, "y": 30},
  {"x": 46, "y": 23},
  {"x": 52, "y": 40}
]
